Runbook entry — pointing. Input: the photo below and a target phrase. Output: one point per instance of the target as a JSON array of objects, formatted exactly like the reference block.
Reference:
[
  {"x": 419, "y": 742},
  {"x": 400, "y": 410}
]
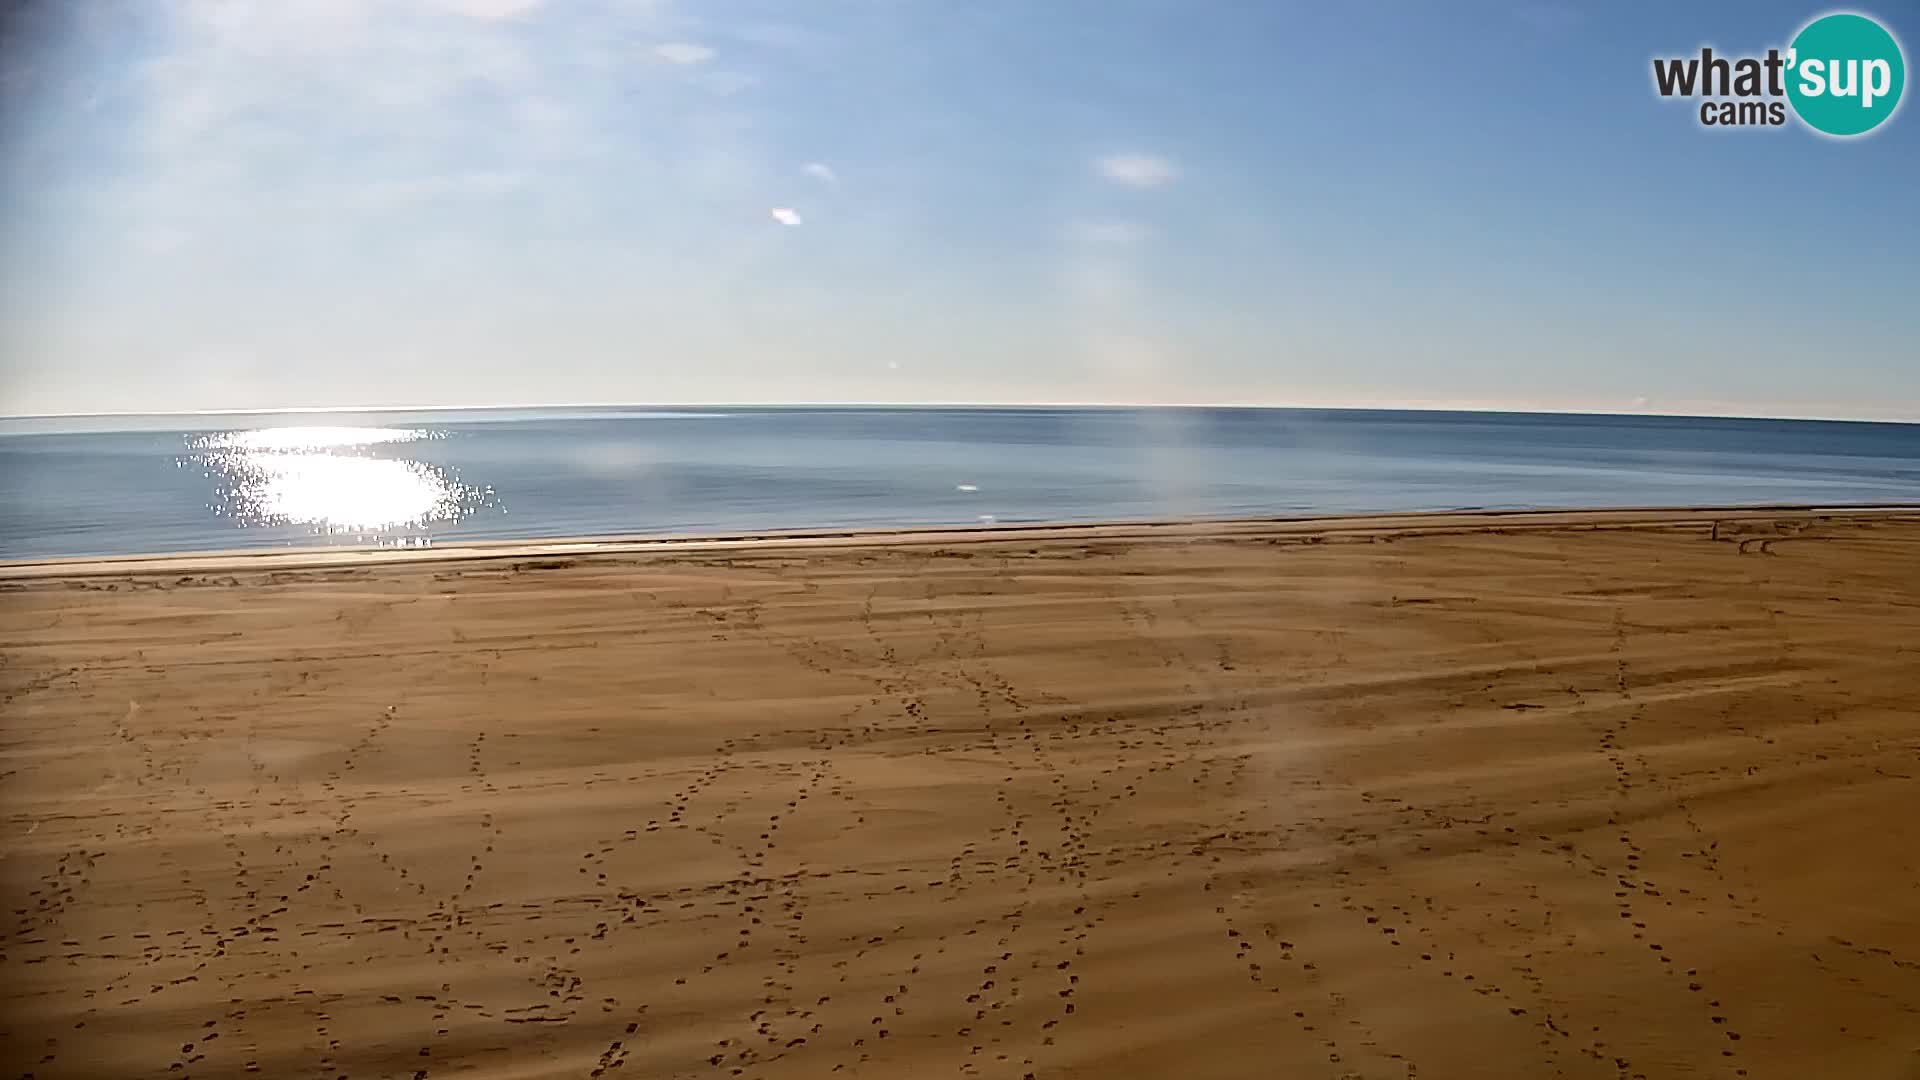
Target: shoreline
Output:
[{"x": 1250, "y": 527}]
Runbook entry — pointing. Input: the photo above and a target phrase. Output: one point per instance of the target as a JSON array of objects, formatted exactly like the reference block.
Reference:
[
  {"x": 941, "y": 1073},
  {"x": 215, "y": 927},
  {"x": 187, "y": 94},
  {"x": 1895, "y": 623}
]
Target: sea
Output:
[{"x": 133, "y": 485}]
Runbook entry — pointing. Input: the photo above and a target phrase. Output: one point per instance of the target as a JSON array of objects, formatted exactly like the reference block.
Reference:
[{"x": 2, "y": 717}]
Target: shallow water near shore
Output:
[{"x": 130, "y": 485}]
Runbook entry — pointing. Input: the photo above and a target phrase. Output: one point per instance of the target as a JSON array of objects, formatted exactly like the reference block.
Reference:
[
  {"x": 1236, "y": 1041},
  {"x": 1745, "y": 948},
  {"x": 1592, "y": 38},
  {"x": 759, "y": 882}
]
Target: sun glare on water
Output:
[
  {"x": 338, "y": 481},
  {"x": 289, "y": 439}
]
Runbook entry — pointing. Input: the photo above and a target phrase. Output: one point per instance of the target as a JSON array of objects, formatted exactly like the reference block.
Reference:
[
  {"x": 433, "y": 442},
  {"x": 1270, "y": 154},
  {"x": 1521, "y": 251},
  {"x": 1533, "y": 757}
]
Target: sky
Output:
[{"x": 274, "y": 204}]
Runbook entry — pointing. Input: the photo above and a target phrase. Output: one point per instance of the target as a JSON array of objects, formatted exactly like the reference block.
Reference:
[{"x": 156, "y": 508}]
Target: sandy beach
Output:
[{"x": 1588, "y": 796}]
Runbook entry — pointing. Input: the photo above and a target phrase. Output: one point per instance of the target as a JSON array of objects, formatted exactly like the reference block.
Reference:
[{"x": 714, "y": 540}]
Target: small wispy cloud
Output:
[
  {"x": 821, "y": 171},
  {"x": 488, "y": 9},
  {"x": 684, "y": 53},
  {"x": 786, "y": 215},
  {"x": 1138, "y": 170}
]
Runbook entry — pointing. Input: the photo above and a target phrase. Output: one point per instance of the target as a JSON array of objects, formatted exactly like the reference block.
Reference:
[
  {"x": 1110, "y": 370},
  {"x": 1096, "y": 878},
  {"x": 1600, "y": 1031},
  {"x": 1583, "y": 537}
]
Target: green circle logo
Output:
[{"x": 1845, "y": 74}]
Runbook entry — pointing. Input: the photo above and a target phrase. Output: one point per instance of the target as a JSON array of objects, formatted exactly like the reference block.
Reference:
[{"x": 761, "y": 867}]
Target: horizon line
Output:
[{"x": 1511, "y": 410}]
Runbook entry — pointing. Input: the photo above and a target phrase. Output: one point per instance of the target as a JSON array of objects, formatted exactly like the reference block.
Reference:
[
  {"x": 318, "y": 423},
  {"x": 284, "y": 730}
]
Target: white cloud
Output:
[
  {"x": 685, "y": 53},
  {"x": 372, "y": 150},
  {"x": 1138, "y": 170},
  {"x": 821, "y": 171}
]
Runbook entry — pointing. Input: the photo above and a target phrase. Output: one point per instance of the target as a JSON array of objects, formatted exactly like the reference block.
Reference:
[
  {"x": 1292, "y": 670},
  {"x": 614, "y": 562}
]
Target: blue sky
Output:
[{"x": 329, "y": 203}]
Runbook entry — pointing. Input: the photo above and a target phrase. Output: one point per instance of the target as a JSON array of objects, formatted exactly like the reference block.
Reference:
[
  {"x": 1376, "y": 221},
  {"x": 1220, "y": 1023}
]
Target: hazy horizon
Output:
[
  {"x": 673, "y": 408},
  {"x": 245, "y": 206}
]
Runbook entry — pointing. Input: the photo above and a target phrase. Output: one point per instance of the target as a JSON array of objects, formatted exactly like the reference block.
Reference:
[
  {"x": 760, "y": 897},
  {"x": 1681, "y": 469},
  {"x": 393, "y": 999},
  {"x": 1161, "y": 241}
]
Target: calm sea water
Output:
[{"x": 188, "y": 484}]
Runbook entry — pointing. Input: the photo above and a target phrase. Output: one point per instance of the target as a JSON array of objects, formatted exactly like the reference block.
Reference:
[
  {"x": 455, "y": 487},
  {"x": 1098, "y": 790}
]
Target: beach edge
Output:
[{"x": 1125, "y": 531}]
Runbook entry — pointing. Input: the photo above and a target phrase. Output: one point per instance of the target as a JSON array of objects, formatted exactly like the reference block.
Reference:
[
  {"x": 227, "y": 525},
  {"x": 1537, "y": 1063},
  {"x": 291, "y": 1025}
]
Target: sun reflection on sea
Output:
[{"x": 340, "y": 482}]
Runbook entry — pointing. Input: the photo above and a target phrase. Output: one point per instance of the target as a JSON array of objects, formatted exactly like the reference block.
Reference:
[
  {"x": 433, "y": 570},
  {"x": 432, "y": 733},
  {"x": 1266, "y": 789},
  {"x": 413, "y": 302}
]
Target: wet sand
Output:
[{"x": 1522, "y": 796}]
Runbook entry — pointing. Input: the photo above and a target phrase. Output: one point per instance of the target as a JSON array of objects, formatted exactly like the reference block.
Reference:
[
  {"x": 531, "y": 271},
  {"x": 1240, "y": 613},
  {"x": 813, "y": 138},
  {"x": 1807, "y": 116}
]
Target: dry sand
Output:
[{"x": 1586, "y": 796}]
